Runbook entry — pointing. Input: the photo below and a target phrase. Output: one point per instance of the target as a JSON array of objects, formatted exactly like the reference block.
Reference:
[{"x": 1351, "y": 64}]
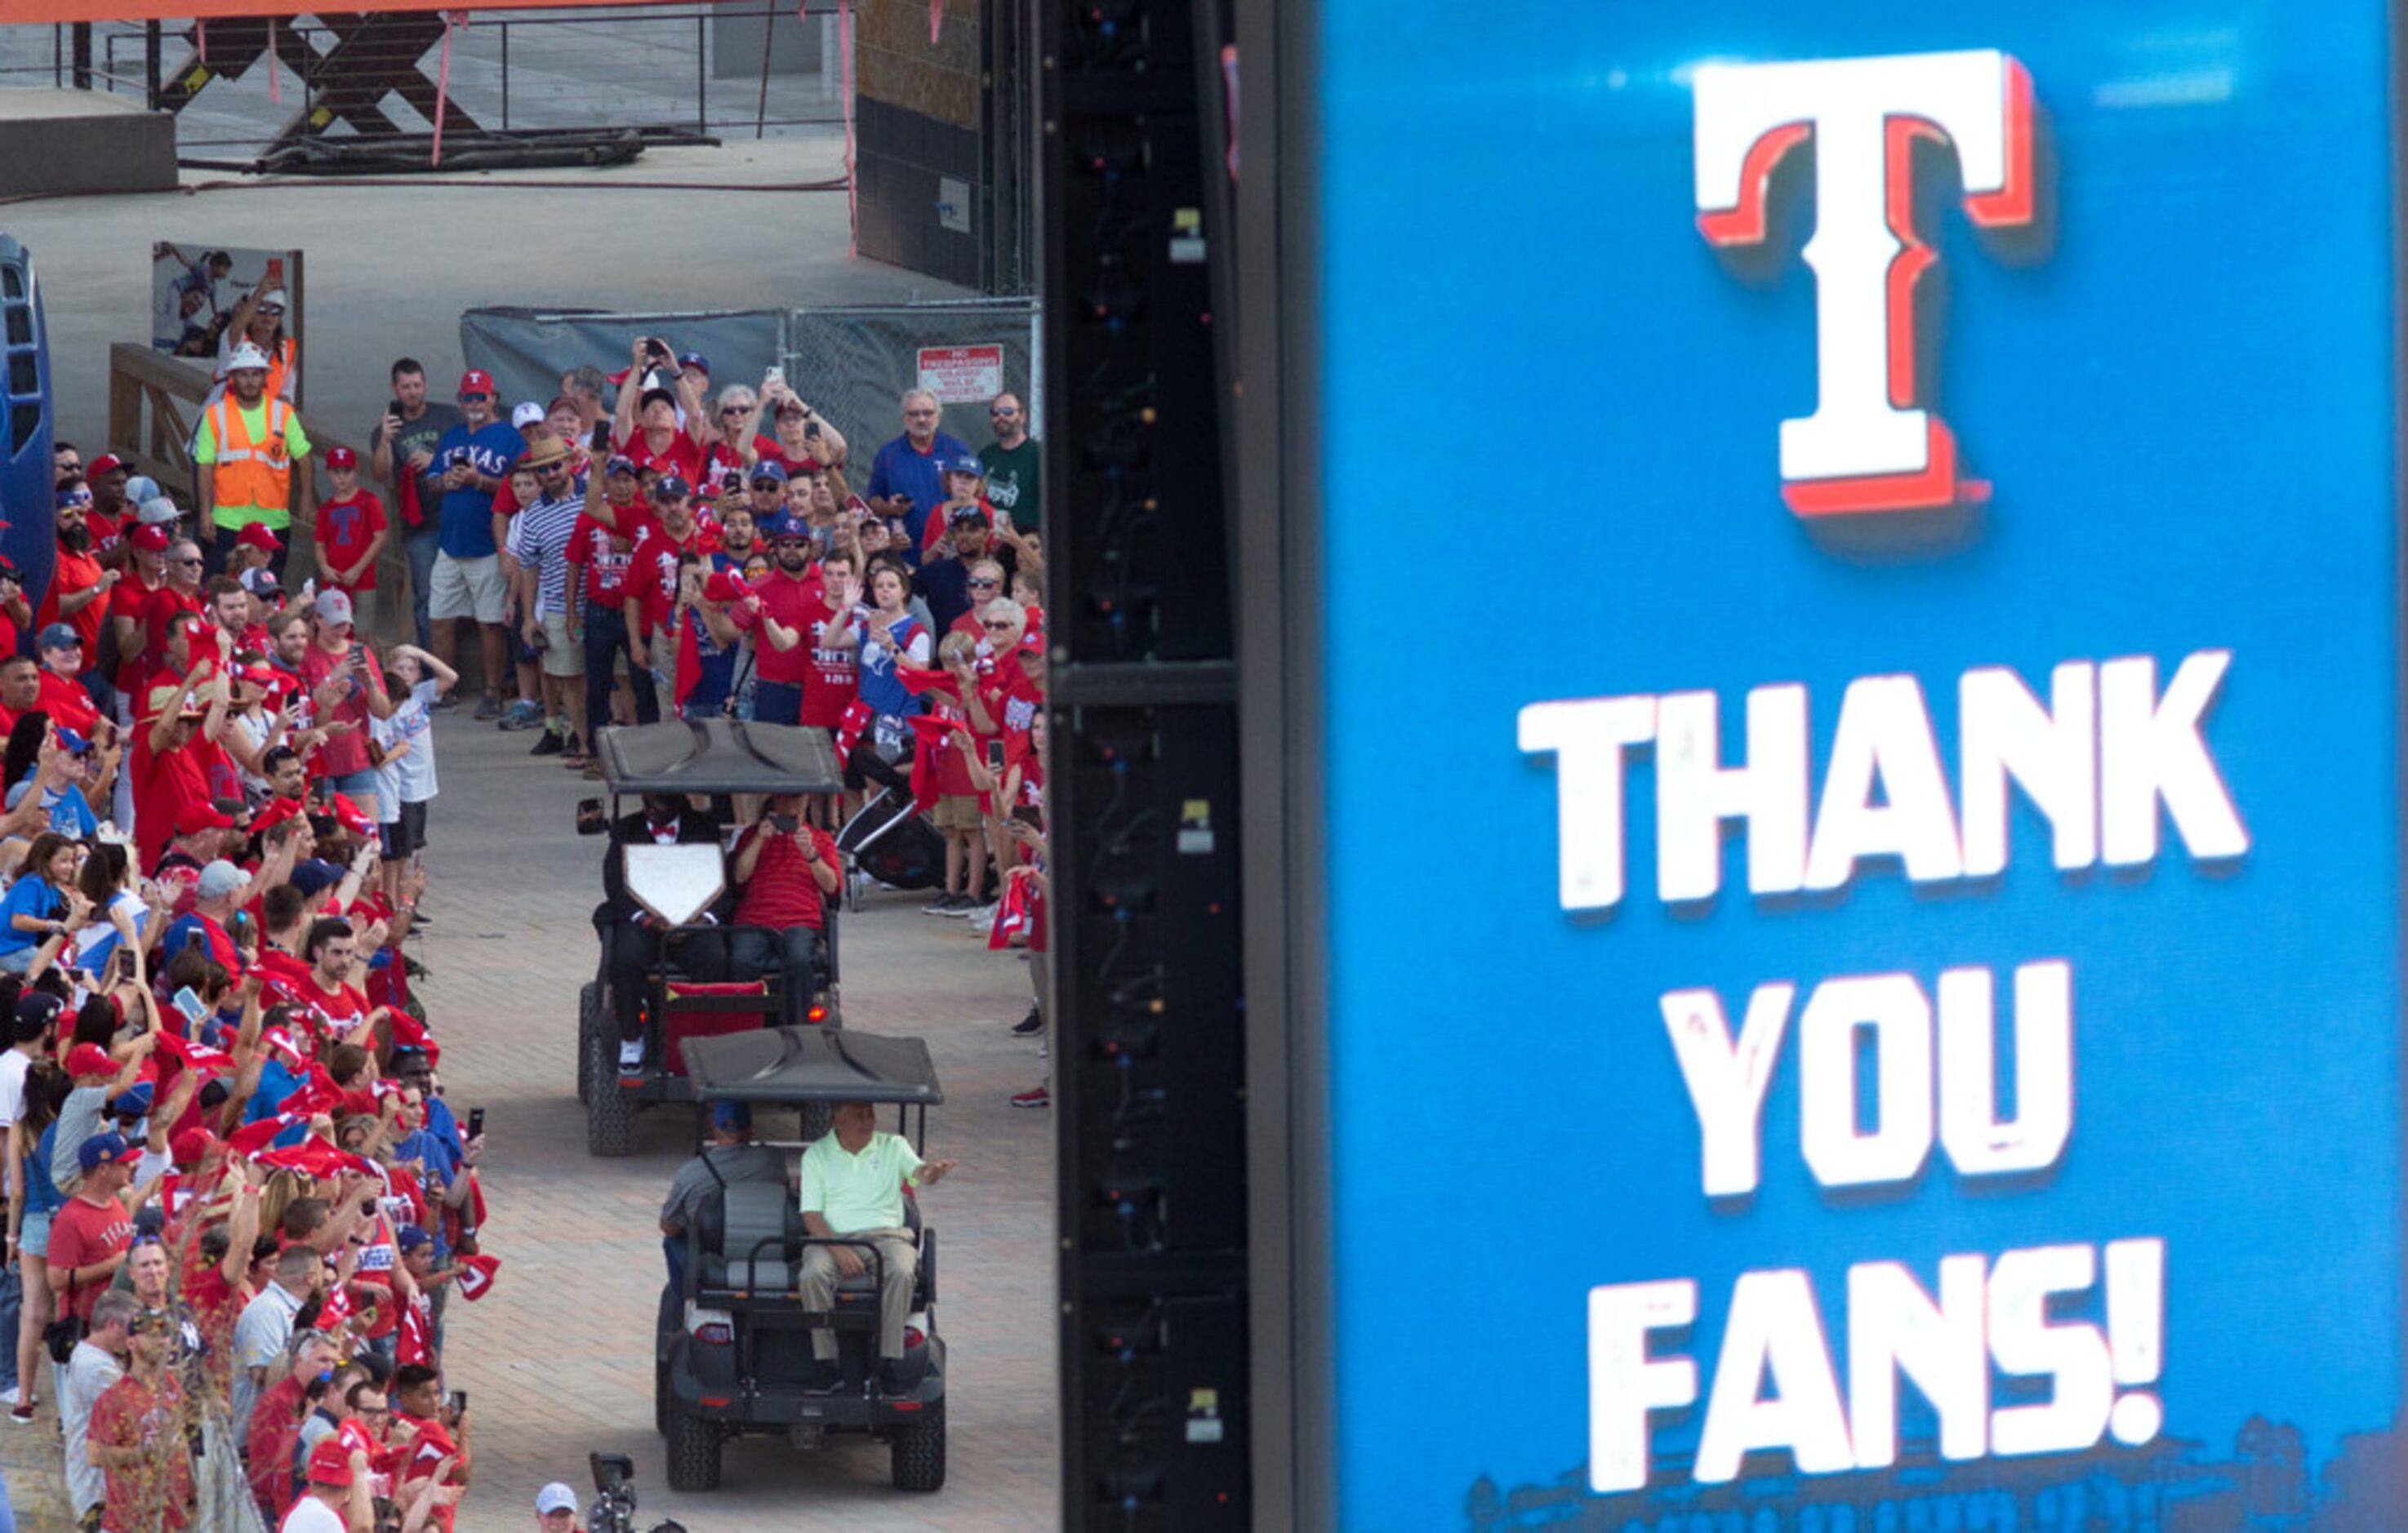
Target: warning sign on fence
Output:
[{"x": 962, "y": 375}]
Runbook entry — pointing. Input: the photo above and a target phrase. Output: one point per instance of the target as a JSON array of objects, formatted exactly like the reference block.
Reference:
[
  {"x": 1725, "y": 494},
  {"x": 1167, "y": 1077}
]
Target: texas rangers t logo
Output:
[{"x": 1870, "y": 445}]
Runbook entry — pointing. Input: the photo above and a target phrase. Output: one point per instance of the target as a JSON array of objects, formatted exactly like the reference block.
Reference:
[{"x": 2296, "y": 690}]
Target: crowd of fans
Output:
[
  {"x": 644, "y": 545},
  {"x": 236, "y": 1200}
]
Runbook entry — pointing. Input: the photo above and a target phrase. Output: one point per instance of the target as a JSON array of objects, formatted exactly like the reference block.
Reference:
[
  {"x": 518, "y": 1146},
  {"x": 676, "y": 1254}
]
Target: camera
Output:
[{"x": 614, "y": 1503}]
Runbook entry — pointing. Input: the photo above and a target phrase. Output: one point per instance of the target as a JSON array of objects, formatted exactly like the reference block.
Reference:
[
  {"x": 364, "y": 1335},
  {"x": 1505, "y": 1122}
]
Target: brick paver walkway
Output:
[{"x": 557, "y": 1360}]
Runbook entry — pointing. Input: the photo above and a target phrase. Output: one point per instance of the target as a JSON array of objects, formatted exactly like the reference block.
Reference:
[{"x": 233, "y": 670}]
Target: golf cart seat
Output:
[{"x": 749, "y": 1236}]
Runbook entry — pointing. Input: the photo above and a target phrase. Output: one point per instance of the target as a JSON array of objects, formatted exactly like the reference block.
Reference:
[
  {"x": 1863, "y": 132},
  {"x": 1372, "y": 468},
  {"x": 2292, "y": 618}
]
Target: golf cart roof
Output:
[
  {"x": 796, "y": 1065},
  {"x": 718, "y": 755}
]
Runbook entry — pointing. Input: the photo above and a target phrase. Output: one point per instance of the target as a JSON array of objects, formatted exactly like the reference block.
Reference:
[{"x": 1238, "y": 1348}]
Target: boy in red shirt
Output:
[{"x": 352, "y": 532}]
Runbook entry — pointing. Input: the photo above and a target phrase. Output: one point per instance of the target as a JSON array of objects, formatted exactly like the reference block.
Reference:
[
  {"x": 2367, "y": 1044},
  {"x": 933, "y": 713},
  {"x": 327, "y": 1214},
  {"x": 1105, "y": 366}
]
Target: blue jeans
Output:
[
  {"x": 605, "y": 639},
  {"x": 12, "y": 1306},
  {"x": 776, "y": 702},
  {"x": 420, "y": 547}
]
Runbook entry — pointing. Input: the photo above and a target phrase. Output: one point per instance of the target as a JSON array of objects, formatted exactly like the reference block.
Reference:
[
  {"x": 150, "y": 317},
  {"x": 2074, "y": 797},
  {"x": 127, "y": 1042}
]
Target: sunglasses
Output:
[
  {"x": 996, "y": 627},
  {"x": 728, "y": 410},
  {"x": 983, "y": 585},
  {"x": 466, "y": 397},
  {"x": 188, "y": 559},
  {"x": 1004, "y": 411}
]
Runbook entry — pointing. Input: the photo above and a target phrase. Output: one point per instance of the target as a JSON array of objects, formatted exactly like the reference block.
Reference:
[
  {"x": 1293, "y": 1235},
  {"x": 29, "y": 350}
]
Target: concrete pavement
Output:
[{"x": 391, "y": 262}]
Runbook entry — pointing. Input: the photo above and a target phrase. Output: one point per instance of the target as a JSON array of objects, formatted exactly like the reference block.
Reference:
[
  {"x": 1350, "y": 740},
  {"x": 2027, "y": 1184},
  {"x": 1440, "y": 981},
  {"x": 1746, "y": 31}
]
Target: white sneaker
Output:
[
  {"x": 9, "y": 1397},
  {"x": 631, "y": 1056}
]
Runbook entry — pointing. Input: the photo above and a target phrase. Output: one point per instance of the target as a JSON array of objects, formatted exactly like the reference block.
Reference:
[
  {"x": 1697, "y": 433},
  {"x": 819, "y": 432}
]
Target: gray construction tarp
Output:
[{"x": 528, "y": 350}]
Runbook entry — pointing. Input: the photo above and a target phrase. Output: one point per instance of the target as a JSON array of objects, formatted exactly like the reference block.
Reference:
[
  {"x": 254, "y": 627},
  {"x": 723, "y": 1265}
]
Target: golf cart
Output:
[
  {"x": 686, "y": 990},
  {"x": 734, "y": 1341}
]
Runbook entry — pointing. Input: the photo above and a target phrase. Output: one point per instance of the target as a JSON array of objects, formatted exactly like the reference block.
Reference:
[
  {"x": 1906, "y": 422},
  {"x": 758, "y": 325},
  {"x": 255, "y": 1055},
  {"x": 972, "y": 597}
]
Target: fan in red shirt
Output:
[
  {"x": 64, "y": 698},
  {"x": 91, "y": 1232},
  {"x": 647, "y": 426},
  {"x": 783, "y": 871},
  {"x": 330, "y": 1006},
  {"x": 796, "y": 597},
  {"x": 350, "y": 528},
  {"x": 803, "y": 443},
  {"x": 79, "y": 588},
  {"x": 178, "y": 596},
  {"x": 964, "y": 488},
  {"x": 171, "y": 774},
  {"x": 651, "y": 587},
  {"x": 129, "y": 604},
  {"x": 433, "y": 1431}
]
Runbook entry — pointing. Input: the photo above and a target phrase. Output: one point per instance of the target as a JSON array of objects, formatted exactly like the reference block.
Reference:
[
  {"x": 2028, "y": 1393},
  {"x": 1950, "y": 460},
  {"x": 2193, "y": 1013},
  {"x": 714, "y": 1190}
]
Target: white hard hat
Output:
[{"x": 246, "y": 355}]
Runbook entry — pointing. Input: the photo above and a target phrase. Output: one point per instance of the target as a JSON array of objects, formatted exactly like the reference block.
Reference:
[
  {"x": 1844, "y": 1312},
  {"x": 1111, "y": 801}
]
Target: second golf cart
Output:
[{"x": 733, "y": 1350}]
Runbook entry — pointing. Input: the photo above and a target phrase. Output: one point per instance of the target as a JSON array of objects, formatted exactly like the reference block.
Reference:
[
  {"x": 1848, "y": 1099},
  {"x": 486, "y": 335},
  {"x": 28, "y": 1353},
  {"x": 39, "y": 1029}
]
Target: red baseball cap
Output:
[
  {"x": 475, "y": 380},
  {"x": 107, "y": 463},
  {"x": 193, "y": 1146},
  {"x": 341, "y": 457},
  {"x": 89, "y": 1059},
  {"x": 197, "y": 818},
  {"x": 330, "y": 1462},
  {"x": 150, "y": 537},
  {"x": 255, "y": 535}
]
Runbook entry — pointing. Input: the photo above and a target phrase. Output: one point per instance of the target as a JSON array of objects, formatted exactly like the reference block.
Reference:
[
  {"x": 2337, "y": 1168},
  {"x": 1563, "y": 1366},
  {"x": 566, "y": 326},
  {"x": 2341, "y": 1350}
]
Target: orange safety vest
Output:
[
  {"x": 287, "y": 357},
  {"x": 254, "y": 474}
]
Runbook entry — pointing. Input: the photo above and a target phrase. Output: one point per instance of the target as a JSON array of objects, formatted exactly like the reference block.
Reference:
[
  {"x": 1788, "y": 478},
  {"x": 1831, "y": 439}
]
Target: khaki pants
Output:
[{"x": 902, "y": 1265}]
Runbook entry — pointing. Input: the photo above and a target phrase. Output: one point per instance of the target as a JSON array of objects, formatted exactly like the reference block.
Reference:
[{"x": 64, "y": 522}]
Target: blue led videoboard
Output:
[{"x": 1863, "y": 864}]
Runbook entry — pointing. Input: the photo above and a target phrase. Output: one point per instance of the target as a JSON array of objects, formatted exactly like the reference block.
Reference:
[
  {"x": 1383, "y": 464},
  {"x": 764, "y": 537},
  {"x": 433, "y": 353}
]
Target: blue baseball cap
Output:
[
  {"x": 412, "y": 1237},
  {"x": 104, "y": 1149},
  {"x": 966, "y": 465},
  {"x": 729, "y": 1116},
  {"x": 620, "y": 463},
  {"x": 134, "y": 1103},
  {"x": 672, "y": 488},
  {"x": 58, "y": 635},
  {"x": 694, "y": 359},
  {"x": 768, "y": 468},
  {"x": 787, "y": 525}
]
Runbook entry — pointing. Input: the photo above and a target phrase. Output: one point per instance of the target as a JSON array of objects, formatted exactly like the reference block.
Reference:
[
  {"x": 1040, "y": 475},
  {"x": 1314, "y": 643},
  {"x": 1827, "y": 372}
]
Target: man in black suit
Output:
[{"x": 631, "y": 935}]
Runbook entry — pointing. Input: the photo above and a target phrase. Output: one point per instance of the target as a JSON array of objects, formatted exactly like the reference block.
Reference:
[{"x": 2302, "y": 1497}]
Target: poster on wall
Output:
[
  {"x": 199, "y": 292},
  {"x": 1917, "y": 1046}
]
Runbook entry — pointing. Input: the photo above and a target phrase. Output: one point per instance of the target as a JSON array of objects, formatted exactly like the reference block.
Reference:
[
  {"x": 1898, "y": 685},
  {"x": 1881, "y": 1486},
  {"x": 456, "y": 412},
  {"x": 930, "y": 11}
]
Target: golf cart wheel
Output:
[
  {"x": 661, "y": 1397},
  {"x": 694, "y": 1452},
  {"x": 589, "y": 1023},
  {"x": 610, "y": 1116},
  {"x": 919, "y": 1452}
]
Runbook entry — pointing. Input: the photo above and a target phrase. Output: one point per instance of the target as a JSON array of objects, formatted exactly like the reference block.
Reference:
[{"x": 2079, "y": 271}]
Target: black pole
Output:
[
  {"x": 82, "y": 43},
  {"x": 151, "y": 64},
  {"x": 768, "y": 41}
]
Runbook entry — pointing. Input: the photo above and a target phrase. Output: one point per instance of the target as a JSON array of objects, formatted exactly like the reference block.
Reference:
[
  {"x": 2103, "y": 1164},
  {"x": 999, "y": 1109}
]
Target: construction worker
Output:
[{"x": 252, "y": 458}]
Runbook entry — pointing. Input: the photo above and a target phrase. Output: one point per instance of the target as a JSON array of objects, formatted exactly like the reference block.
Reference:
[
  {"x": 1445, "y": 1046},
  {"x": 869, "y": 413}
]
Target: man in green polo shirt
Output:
[{"x": 853, "y": 1186}]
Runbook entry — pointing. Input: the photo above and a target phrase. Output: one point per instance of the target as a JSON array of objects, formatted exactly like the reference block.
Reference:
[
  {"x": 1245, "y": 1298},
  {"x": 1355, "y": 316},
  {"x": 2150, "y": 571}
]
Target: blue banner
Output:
[{"x": 1863, "y": 834}]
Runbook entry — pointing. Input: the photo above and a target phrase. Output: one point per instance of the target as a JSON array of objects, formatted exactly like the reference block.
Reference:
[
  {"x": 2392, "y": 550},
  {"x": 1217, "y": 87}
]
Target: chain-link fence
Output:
[
  {"x": 746, "y": 69},
  {"x": 853, "y": 364}
]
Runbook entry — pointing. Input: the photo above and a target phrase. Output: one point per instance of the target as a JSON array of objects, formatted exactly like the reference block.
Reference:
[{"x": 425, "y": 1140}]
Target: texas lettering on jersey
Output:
[{"x": 1872, "y": 443}]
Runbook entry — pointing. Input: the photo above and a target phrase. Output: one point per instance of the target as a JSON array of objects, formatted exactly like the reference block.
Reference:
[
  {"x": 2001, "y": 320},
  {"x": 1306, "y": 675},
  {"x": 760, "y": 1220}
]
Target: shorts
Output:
[
  {"x": 355, "y": 784},
  {"x": 33, "y": 1236},
  {"x": 467, "y": 588},
  {"x": 406, "y": 834},
  {"x": 561, "y": 656},
  {"x": 959, "y": 811}
]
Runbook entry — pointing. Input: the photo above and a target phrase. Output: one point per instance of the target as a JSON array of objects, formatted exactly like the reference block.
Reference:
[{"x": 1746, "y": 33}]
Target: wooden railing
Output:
[{"x": 154, "y": 405}]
